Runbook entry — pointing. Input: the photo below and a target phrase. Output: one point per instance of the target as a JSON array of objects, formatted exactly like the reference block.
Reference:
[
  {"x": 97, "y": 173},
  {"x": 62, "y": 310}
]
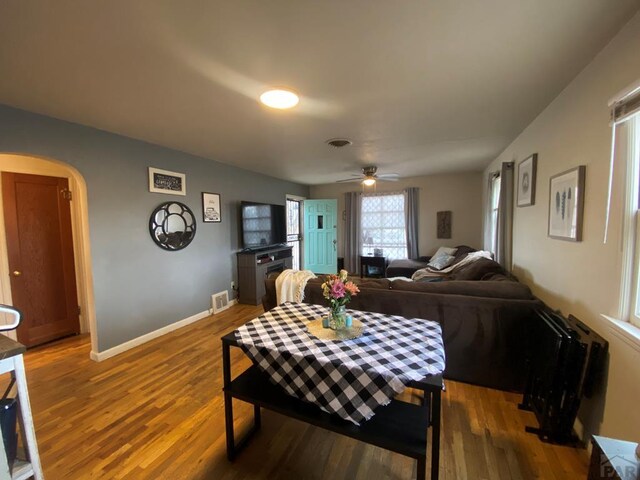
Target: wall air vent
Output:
[
  {"x": 339, "y": 142},
  {"x": 219, "y": 301}
]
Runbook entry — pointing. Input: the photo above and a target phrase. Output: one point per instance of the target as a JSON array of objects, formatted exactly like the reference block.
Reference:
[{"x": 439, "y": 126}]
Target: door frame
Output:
[{"x": 36, "y": 165}]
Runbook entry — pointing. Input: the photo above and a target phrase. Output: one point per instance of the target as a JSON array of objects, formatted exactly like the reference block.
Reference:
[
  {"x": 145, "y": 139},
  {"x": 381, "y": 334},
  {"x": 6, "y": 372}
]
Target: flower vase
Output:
[{"x": 338, "y": 318}]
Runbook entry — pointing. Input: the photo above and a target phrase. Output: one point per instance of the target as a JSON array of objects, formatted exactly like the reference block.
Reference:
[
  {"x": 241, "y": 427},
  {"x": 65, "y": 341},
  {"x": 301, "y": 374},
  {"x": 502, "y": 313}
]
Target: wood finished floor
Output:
[{"x": 156, "y": 412}]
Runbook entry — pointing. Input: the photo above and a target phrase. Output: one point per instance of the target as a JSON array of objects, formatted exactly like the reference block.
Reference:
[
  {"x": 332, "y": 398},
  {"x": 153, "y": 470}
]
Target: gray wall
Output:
[
  {"x": 138, "y": 286},
  {"x": 458, "y": 192}
]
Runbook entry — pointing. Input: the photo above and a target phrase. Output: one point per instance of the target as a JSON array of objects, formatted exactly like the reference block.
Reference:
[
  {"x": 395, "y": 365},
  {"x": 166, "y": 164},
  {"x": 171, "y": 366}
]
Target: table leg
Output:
[
  {"x": 421, "y": 474},
  {"x": 228, "y": 401},
  {"x": 257, "y": 418}
]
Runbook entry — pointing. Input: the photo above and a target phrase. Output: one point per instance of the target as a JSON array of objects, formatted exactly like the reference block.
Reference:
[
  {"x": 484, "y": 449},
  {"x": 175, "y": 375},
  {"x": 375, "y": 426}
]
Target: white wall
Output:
[
  {"x": 583, "y": 278},
  {"x": 459, "y": 193}
]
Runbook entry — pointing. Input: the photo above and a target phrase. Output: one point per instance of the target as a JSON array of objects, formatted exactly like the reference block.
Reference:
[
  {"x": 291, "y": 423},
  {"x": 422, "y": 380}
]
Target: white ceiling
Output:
[{"x": 420, "y": 87}]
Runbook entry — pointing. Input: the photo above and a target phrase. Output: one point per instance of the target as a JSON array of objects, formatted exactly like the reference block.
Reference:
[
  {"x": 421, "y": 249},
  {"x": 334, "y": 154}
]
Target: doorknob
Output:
[
  {"x": 16, "y": 273},
  {"x": 334, "y": 244}
]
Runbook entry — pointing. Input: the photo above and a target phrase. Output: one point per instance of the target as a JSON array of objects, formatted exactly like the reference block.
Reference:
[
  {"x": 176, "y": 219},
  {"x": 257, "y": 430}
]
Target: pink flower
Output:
[{"x": 337, "y": 290}]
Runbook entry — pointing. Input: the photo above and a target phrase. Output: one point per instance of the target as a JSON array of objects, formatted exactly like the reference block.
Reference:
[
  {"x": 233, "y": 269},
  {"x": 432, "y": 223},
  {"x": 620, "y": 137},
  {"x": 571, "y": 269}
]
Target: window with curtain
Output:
[
  {"x": 625, "y": 158},
  {"x": 383, "y": 225},
  {"x": 494, "y": 206}
]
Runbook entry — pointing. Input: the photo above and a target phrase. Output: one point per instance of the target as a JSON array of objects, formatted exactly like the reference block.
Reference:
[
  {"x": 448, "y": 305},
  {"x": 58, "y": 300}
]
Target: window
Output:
[
  {"x": 383, "y": 225},
  {"x": 625, "y": 159},
  {"x": 493, "y": 213},
  {"x": 630, "y": 304}
]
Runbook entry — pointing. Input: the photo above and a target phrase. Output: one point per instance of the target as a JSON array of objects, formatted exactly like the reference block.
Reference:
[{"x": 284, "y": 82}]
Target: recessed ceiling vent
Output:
[{"x": 339, "y": 142}]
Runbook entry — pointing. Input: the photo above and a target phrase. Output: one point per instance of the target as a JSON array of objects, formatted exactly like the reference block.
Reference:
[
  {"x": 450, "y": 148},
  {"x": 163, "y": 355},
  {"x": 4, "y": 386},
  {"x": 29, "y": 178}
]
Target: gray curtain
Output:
[
  {"x": 504, "y": 240},
  {"x": 411, "y": 221},
  {"x": 352, "y": 233}
]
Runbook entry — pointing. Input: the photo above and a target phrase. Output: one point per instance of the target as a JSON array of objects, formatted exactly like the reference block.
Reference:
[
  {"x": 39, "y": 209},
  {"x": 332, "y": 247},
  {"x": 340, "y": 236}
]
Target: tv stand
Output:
[{"x": 254, "y": 266}]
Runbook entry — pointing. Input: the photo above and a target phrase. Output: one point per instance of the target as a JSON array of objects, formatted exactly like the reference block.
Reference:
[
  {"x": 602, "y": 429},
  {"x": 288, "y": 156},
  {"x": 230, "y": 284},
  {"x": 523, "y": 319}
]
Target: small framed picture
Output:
[
  {"x": 211, "y": 208},
  {"x": 566, "y": 204},
  {"x": 164, "y": 181},
  {"x": 527, "y": 181}
]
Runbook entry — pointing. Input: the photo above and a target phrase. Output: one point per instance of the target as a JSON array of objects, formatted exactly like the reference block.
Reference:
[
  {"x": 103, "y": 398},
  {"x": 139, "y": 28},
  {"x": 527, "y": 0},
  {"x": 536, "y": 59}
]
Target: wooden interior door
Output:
[{"x": 37, "y": 217}]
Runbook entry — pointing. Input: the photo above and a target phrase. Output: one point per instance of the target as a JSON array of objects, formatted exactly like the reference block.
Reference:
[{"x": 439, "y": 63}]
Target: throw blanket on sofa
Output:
[
  {"x": 290, "y": 285},
  {"x": 431, "y": 272}
]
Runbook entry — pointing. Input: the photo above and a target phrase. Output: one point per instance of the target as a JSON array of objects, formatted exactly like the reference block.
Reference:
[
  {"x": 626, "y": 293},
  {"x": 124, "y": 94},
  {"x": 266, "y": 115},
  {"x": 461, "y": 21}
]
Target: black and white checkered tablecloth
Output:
[{"x": 350, "y": 378}]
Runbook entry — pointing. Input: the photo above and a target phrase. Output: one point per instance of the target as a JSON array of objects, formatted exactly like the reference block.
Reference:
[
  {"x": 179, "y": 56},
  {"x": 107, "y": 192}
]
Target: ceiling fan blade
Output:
[
  {"x": 388, "y": 175},
  {"x": 348, "y": 180},
  {"x": 382, "y": 178}
]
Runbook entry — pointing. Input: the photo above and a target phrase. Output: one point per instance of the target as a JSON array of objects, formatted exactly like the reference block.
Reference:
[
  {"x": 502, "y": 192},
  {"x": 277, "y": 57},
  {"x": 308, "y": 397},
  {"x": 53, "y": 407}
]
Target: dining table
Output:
[{"x": 346, "y": 385}]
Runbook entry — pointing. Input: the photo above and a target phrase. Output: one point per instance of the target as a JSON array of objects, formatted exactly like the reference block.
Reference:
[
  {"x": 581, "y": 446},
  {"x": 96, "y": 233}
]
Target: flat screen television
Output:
[{"x": 263, "y": 225}]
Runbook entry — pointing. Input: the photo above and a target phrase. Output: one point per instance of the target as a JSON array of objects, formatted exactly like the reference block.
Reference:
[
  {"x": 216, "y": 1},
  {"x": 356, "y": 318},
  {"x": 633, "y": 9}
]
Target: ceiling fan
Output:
[{"x": 369, "y": 177}]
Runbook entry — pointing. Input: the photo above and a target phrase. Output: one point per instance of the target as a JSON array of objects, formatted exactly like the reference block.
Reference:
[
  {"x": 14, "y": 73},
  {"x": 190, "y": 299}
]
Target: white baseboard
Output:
[{"x": 99, "y": 356}]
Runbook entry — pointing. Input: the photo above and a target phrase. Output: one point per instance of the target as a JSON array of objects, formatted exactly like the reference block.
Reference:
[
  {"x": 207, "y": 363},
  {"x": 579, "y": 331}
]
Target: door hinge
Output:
[
  {"x": 79, "y": 310},
  {"x": 66, "y": 194}
]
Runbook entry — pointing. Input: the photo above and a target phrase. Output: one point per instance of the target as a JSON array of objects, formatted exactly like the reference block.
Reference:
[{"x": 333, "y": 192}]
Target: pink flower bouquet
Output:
[{"x": 338, "y": 290}]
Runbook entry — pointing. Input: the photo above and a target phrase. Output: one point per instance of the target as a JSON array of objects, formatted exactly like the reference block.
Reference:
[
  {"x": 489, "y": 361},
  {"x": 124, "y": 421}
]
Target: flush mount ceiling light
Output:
[{"x": 279, "y": 98}]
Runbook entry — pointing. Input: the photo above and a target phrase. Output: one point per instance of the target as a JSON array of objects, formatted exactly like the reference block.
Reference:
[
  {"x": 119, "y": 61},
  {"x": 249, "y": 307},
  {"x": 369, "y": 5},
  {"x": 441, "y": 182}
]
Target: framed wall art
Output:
[
  {"x": 527, "y": 181},
  {"x": 444, "y": 224},
  {"x": 164, "y": 181},
  {"x": 211, "y": 208},
  {"x": 566, "y": 204}
]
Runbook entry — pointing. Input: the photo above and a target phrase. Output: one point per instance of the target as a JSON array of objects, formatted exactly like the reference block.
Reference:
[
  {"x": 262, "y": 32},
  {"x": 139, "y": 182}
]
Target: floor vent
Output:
[{"x": 220, "y": 301}]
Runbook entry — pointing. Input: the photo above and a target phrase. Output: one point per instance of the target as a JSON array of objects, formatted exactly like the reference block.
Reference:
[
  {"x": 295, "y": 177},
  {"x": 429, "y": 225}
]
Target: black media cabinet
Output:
[
  {"x": 254, "y": 266},
  {"x": 400, "y": 426}
]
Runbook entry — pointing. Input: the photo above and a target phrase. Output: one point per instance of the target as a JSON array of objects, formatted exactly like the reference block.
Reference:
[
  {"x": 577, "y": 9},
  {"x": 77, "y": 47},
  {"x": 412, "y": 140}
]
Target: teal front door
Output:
[{"x": 320, "y": 221}]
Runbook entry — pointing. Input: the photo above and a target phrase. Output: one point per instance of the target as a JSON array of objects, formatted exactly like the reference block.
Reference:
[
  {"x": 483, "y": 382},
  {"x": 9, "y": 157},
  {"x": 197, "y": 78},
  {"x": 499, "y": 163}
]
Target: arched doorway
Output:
[{"x": 28, "y": 164}]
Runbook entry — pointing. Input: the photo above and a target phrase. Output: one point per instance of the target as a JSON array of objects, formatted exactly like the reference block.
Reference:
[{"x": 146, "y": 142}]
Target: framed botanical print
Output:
[
  {"x": 527, "y": 181},
  {"x": 566, "y": 204}
]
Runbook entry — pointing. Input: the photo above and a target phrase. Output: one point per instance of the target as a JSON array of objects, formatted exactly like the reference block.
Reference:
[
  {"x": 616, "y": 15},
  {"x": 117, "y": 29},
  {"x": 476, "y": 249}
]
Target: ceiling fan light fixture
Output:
[
  {"x": 369, "y": 181},
  {"x": 279, "y": 98}
]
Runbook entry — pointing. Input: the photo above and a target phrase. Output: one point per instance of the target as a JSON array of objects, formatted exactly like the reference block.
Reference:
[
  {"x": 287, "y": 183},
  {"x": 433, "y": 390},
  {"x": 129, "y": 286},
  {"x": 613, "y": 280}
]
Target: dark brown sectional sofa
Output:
[{"x": 484, "y": 312}]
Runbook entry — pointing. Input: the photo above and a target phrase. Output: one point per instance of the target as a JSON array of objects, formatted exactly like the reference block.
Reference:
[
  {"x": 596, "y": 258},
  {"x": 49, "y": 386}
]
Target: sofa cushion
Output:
[
  {"x": 379, "y": 283},
  {"x": 441, "y": 261},
  {"x": 404, "y": 267},
  {"x": 444, "y": 251},
  {"x": 461, "y": 252},
  {"x": 481, "y": 269},
  {"x": 489, "y": 289}
]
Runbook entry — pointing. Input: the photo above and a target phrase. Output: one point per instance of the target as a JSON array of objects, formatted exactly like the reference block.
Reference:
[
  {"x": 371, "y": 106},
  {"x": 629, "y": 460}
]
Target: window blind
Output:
[
  {"x": 623, "y": 106},
  {"x": 626, "y": 106}
]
